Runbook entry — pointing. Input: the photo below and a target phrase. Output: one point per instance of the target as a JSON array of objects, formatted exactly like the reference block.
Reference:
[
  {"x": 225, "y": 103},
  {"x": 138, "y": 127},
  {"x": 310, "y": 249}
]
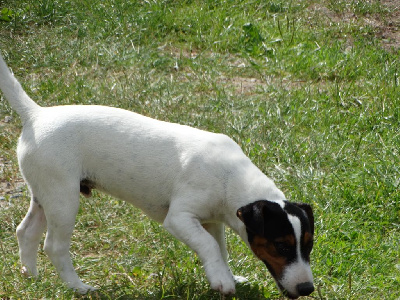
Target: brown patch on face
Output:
[
  {"x": 267, "y": 252},
  {"x": 307, "y": 244},
  {"x": 308, "y": 237}
]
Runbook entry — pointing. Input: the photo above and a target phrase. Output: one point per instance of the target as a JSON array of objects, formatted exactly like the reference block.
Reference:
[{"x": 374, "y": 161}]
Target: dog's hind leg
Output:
[
  {"x": 61, "y": 207},
  {"x": 29, "y": 233}
]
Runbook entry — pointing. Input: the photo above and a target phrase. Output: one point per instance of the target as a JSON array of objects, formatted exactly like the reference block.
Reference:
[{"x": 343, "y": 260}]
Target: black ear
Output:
[
  {"x": 253, "y": 215},
  {"x": 309, "y": 212}
]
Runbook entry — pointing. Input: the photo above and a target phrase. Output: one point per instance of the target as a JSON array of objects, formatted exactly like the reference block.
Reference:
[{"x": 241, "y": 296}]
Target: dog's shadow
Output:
[{"x": 244, "y": 291}]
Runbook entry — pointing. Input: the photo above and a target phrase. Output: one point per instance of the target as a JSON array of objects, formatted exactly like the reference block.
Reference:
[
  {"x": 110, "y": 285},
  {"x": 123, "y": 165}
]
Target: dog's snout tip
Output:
[{"x": 305, "y": 288}]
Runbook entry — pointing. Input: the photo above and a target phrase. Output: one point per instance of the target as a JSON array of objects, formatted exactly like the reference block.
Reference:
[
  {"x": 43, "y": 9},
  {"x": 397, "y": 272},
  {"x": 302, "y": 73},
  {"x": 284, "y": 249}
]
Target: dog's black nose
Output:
[{"x": 305, "y": 288}]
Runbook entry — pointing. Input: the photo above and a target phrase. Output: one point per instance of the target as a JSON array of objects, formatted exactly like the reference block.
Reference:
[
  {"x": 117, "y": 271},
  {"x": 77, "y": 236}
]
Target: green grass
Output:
[{"x": 309, "y": 90}]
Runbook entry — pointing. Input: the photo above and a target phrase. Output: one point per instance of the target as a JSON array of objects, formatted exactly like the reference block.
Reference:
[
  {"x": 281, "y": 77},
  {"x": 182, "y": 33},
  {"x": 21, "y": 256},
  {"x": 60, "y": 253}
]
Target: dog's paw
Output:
[
  {"x": 223, "y": 282},
  {"x": 226, "y": 288},
  {"x": 84, "y": 289},
  {"x": 240, "y": 279},
  {"x": 27, "y": 273}
]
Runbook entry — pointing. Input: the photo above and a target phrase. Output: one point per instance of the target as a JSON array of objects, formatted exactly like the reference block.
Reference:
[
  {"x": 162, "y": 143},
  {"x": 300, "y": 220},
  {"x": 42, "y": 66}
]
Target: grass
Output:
[{"x": 309, "y": 90}]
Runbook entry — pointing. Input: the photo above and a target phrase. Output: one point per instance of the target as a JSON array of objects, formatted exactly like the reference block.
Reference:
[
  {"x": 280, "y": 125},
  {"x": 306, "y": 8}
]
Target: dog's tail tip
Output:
[{"x": 14, "y": 93}]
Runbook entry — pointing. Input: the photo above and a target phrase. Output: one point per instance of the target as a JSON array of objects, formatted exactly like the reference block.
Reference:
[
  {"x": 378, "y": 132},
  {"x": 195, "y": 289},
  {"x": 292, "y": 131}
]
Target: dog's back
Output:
[{"x": 127, "y": 155}]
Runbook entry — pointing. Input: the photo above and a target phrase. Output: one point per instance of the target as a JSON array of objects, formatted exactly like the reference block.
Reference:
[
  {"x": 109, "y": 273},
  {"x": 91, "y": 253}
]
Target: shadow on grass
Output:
[{"x": 181, "y": 291}]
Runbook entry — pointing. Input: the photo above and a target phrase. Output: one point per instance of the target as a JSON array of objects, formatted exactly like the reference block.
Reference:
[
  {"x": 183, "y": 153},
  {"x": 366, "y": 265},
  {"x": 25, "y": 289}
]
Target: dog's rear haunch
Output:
[{"x": 192, "y": 181}]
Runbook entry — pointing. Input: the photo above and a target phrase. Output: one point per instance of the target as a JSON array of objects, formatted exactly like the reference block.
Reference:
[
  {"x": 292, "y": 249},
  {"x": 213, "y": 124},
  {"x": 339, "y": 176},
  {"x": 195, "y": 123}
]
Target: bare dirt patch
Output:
[
  {"x": 389, "y": 28},
  {"x": 385, "y": 25}
]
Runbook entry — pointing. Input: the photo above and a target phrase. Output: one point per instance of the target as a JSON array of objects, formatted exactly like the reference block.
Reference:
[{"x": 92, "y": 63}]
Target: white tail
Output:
[{"x": 15, "y": 94}]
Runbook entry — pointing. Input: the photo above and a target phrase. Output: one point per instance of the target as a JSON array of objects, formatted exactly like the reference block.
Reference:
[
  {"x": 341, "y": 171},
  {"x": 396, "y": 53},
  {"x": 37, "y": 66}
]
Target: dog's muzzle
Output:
[
  {"x": 305, "y": 288},
  {"x": 302, "y": 289}
]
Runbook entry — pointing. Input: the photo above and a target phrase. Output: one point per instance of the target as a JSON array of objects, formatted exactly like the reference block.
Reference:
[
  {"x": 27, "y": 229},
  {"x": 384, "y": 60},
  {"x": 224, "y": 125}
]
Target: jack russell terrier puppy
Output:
[{"x": 192, "y": 181}]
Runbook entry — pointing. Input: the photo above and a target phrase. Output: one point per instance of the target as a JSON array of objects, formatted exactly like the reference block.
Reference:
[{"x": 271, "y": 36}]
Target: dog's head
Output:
[{"x": 281, "y": 235}]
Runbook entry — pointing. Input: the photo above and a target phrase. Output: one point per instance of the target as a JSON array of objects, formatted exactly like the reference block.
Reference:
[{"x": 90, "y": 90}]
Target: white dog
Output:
[{"x": 191, "y": 181}]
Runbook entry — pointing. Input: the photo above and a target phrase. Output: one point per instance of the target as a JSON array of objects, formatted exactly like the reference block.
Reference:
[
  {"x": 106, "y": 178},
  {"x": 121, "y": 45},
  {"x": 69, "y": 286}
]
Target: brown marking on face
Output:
[
  {"x": 307, "y": 244},
  {"x": 267, "y": 252},
  {"x": 308, "y": 237}
]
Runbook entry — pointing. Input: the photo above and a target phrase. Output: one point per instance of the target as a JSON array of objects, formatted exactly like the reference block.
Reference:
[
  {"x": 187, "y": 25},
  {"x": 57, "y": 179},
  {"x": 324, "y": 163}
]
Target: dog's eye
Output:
[{"x": 282, "y": 248}]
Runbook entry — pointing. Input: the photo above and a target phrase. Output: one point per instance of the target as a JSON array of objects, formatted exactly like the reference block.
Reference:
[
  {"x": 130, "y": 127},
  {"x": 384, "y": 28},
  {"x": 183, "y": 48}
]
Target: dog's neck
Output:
[{"x": 258, "y": 187}]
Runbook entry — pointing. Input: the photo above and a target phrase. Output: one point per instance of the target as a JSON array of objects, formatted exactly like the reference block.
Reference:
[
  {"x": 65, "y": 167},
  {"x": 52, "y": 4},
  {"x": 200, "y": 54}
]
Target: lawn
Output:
[{"x": 309, "y": 89}]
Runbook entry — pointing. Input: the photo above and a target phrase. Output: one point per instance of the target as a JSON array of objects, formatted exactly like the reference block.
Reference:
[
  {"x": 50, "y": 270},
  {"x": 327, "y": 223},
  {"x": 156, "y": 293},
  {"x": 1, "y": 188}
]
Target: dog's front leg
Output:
[
  {"x": 187, "y": 228},
  {"x": 217, "y": 230}
]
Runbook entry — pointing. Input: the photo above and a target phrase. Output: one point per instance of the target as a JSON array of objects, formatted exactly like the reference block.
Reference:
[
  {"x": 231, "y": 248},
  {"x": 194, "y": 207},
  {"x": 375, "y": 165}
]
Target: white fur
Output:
[
  {"x": 190, "y": 180},
  {"x": 299, "y": 271}
]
